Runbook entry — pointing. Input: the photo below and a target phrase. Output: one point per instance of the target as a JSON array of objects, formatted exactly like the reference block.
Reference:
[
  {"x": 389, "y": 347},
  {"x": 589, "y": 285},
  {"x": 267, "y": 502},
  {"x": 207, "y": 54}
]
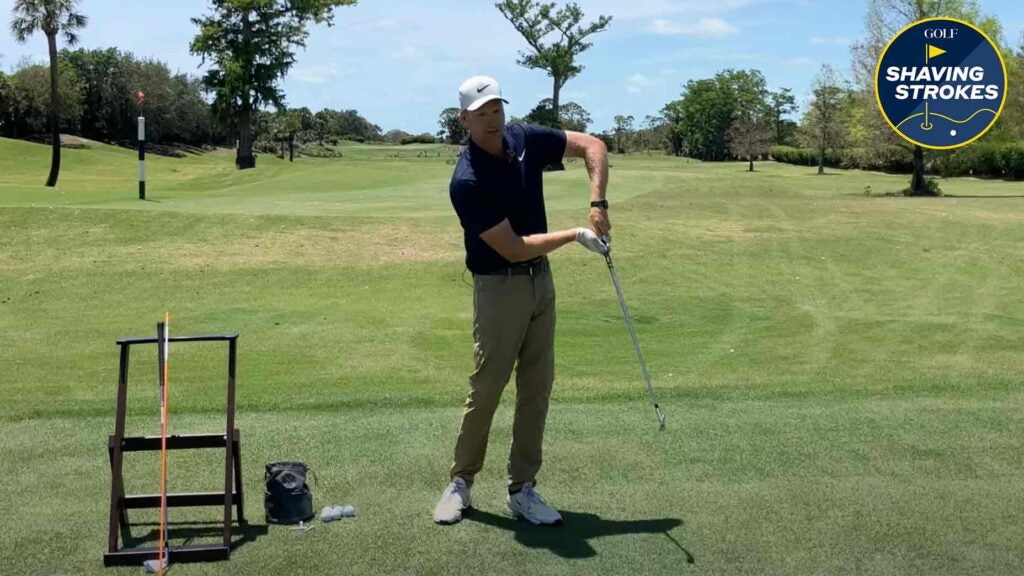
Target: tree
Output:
[
  {"x": 1010, "y": 126},
  {"x": 623, "y": 128},
  {"x": 542, "y": 114},
  {"x": 884, "y": 19},
  {"x": 175, "y": 109},
  {"x": 750, "y": 91},
  {"x": 571, "y": 116},
  {"x": 107, "y": 98},
  {"x": 51, "y": 17},
  {"x": 351, "y": 125},
  {"x": 749, "y": 137},
  {"x": 750, "y": 133},
  {"x": 782, "y": 102},
  {"x": 646, "y": 128},
  {"x": 190, "y": 118},
  {"x": 291, "y": 125},
  {"x": 452, "y": 131},
  {"x": 8, "y": 104},
  {"x": 702, "y": 117},
  {"x": 321, "y": 125},
  {"x": 654, "y": 133},
  {"x": 252, "y": 45},
  {"x": 31, "y": 86},
  {"x": 822, "y": 121},
  {"x": 396, "y": 136},
  {"x": 534, "y": 21},
  {"x": 674, "y": 114}
]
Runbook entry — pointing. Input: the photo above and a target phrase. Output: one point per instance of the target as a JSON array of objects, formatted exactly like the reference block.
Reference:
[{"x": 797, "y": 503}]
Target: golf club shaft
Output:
[
  {"x": 636, "y": 342},
  {"x": 163, "y": 337}
]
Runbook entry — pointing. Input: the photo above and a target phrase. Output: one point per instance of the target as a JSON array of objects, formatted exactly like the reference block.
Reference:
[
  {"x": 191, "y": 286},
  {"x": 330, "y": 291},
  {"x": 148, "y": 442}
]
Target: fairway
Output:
[{"x": 840, "y": 368}]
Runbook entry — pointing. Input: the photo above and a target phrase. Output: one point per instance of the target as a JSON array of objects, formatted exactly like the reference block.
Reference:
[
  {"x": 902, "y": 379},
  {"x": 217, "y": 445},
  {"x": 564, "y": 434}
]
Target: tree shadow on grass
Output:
[
  {"x": 570, "y": 540},
  {"x": 983, "y": 195}
]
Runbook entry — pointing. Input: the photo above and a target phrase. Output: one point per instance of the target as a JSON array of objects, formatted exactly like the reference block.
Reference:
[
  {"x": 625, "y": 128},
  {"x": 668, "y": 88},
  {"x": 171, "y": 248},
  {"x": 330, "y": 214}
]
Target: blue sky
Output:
[{"x": 399, "y": 62}]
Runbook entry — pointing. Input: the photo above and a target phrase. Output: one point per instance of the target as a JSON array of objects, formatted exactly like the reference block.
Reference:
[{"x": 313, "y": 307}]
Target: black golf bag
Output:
[{"x": 287, "y": 499}]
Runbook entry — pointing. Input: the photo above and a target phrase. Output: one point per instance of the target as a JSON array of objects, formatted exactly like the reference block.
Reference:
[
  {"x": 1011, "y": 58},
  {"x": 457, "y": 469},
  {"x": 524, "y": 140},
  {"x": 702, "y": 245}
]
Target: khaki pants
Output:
[{"x": 513, "y": 326}]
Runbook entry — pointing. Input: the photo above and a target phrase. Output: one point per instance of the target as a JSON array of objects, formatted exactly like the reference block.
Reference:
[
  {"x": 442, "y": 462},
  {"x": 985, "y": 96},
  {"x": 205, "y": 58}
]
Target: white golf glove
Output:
[{"x": 589, "y": 239}]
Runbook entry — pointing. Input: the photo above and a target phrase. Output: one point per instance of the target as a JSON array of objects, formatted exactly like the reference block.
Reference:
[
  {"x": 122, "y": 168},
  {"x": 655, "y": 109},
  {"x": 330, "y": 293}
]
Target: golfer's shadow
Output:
[{"x": 570, "y": 540}]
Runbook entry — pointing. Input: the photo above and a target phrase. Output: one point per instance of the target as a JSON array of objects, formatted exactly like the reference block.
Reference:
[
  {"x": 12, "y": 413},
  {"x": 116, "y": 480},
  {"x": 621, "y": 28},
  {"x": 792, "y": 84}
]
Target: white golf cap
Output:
[{"x": 479, "y": 90}]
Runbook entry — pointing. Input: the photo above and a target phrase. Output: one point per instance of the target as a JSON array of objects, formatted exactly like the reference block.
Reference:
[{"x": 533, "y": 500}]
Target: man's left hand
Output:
[{"x": 599, "y": 221}]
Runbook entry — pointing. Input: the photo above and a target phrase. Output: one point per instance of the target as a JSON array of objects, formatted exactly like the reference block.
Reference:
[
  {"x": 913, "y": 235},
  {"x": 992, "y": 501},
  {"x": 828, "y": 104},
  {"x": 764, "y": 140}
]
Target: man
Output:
[{"x": 497, "y": 192}]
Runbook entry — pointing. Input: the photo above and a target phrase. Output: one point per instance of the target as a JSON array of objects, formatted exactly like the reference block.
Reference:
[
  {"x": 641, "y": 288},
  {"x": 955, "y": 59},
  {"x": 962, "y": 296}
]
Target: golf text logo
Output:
[{"x": 941, "y": 83}]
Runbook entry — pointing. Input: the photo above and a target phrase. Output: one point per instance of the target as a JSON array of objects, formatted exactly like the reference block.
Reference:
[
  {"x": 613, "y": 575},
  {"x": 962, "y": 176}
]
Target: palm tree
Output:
[{"x": 51, "y": 17}]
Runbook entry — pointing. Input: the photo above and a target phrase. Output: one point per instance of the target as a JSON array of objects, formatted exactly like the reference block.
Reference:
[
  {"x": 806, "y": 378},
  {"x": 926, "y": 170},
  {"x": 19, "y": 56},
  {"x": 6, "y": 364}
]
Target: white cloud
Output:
[
  {"x": 682, "y": 61},
  {"x": 637, "y": 83},
  {"x": 703, "y": 28},
  {"x": 407, "y": 52},
  {"x": 800, "y": 61},
  {"x": 314, "y": 73},
  {"x": 663, "y": 8},
  {"x": 831, "y": 40},
  {"x": 369, "y": 26},
  {"x": 575, "y": 95},
  {"x": 732, "y": 56}
]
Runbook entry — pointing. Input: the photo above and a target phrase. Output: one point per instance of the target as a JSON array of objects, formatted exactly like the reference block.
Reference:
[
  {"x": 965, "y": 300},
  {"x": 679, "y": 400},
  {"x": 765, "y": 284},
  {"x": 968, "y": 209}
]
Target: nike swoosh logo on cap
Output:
[
  {"x": 523, "y": 155},
  {"x": 482, "y": 88}
]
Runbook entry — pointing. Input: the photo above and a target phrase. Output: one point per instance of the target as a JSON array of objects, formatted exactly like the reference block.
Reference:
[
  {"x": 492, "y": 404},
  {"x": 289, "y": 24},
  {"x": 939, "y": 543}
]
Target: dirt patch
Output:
[
  {"x": 171, "y": 150},
  {"x": 66, "y": 140}
]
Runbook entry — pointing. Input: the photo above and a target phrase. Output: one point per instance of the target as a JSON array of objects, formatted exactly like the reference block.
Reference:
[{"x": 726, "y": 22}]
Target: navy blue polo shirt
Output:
[{"x": 486, "y": 189}]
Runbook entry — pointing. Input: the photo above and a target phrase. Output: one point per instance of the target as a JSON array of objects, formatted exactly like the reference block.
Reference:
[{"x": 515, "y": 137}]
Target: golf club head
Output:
[
  {"x": 661, "y": 420},
  {"x": 153, "y": 566}
]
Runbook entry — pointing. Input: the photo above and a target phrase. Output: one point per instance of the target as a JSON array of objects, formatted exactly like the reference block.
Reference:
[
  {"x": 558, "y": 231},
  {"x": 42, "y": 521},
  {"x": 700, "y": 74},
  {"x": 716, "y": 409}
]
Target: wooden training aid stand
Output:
[{"x": 118, "y": 444}]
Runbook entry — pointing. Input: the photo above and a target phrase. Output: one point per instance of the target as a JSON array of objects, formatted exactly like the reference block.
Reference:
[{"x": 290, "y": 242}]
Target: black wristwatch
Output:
[{"x": 599, "y": 204}]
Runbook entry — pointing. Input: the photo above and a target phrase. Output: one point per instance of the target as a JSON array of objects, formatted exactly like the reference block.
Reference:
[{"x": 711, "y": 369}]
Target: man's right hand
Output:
[
  {"x": 599, "y": 221},
  {"x": 591, "y": 241}
]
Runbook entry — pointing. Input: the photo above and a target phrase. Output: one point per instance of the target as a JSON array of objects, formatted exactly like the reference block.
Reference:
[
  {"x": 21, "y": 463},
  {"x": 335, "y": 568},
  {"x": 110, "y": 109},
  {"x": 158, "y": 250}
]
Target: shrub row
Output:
[
  {"x": 883, "y": 159},
  {"x": 985, "y": 159}
]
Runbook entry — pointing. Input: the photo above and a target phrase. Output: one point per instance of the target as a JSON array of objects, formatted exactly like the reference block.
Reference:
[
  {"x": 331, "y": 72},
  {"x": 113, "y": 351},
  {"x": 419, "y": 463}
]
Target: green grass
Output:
[{"x": 840, "y": 371}]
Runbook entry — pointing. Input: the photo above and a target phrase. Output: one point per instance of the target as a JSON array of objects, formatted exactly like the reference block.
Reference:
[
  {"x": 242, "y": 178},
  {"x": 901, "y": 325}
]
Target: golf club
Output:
[
  {"x": 163, "y": 339},
  {"x": 632, "y": 334}
]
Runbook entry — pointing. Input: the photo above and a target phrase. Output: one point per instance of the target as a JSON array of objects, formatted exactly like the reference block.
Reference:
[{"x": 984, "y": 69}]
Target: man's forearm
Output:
[
  {"x": 597, "y": 169},
  {"x": 540, "y": 244}
]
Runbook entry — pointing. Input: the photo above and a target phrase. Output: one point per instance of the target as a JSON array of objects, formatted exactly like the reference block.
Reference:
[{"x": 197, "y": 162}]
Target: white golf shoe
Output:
[
  {"x": 528, "y": 504},
  {"x": 453, "y": 501}
]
